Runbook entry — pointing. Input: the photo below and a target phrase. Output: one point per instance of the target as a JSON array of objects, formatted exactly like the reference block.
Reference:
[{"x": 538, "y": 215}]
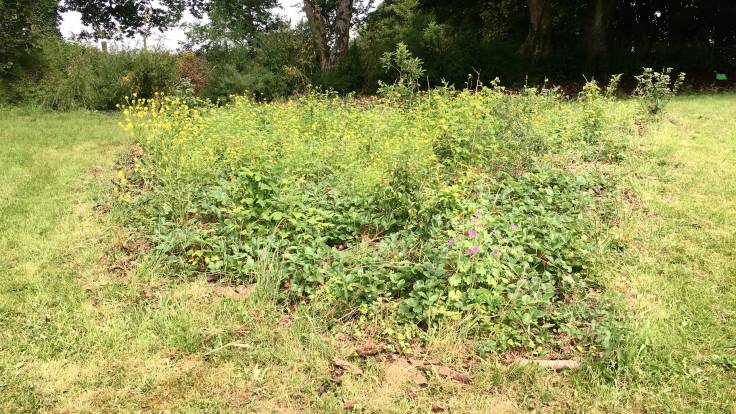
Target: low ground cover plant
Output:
[{"x": 484, "y": 208}]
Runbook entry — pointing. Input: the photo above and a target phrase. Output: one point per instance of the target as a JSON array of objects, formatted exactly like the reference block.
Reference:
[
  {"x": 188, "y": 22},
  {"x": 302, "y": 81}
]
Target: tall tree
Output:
[
  {"x": 23, "y": 22},
  {"x": 495, "y": 19},
  {"x": 234, "y": 22},
  {"x": 126, "y": 18},
  {"x": 599, "y": 20},
  {"x": 318, "y": 25},
  {"x": 330, "y": 22},
  {"x": 538, "y": 43}
]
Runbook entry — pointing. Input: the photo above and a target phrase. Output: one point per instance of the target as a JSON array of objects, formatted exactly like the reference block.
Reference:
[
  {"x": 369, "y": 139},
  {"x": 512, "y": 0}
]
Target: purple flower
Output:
[
  {"x": 514, "y": 227},
  {"x": 472, "y": 233},
  {"x": 495, "y": 252},
  {"x": 450, "y": 242},
  {"x": 474, "y": 220},
  {"x": 473, "y": 250}
]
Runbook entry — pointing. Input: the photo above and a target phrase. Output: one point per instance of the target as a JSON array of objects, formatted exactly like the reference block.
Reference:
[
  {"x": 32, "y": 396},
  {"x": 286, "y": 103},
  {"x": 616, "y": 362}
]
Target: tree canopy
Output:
[
  {"x": 23, "y": 23},
  {"x": 247, "y": 45},
  {"x": 126, "y": 18}
]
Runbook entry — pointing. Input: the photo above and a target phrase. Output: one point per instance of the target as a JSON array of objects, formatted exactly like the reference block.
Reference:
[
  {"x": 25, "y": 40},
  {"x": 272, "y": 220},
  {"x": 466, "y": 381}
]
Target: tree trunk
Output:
[
  {"x": 596, "y": 36},
  {"x": 317, "y": 24},
  {"x": 343, "y": 17},
  {"x": 538, "y": 43}
]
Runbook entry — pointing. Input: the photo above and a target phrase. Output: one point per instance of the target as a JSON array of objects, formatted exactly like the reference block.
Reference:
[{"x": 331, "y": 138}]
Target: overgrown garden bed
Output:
[{"x": 485, "y": 209}]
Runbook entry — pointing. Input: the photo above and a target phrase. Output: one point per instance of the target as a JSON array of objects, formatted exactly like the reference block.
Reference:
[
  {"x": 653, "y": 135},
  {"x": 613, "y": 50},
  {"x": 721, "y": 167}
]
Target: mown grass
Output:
[
  {"x": 678, "y": 275},
  {"x": 77, "y": 337}
]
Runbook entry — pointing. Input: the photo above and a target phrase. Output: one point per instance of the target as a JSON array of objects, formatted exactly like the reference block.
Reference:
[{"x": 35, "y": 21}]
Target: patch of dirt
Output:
[
  {"x": 631, "y": 198},
  {"x": 102, "y": 208},
  {"x": 630, "y": 298},
  {"x": 124, "y": 254},
  {"x": 286, "y": 319},
  {"x": 367, "y": 348},
  {"x": 441, "y": 370},
  {"x": 95, "y": 171},
  {"x": 399, "y": 372},
  {"x": 438, "y": 407},
  {"x": 238, "y": 292},
  {"x": 342, "y": 366},
  {"x": 136, "y": 151}
]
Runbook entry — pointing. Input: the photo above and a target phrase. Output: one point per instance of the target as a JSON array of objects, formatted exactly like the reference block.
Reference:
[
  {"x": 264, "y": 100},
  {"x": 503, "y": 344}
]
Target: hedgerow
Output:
[{"x": 479, "y": 206}]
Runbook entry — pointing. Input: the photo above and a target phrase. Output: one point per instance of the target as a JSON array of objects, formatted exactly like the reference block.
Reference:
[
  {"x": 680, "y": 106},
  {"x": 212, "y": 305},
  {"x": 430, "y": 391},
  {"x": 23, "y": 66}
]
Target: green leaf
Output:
[{"x": 277, "y": 216}]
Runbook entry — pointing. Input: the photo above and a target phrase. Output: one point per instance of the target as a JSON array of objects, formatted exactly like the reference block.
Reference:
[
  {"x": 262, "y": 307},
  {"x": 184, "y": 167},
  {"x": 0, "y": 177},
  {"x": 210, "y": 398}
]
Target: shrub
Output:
[
  {"x": 275, "y": 65},
  {"x": 656, "y": 89},
  {"x": 194, "y": 68},
  {"x": 75, "y": 76},
  {"x": 457, "y": 207},
  {"x": 408, "y": 70}
]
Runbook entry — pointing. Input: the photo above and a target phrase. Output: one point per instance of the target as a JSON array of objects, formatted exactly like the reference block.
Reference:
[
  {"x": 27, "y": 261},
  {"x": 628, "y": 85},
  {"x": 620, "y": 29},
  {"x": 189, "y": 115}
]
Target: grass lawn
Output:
[{"x": 78, "y": 337}]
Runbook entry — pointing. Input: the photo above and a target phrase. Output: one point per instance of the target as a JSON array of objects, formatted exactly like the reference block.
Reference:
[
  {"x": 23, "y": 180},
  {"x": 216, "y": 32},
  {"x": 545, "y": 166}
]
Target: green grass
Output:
[
  {"x": 76, "y": 337},
  {"x": 680, "y": 271}
]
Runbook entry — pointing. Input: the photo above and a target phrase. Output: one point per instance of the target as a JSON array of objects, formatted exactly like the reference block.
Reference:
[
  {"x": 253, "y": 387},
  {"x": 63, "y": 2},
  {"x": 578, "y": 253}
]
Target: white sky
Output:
[{"x": 71, "y": 25}]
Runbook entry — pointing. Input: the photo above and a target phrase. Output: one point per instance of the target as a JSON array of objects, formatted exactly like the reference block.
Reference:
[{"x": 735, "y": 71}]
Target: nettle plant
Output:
[{"x": 656, "y": 89}]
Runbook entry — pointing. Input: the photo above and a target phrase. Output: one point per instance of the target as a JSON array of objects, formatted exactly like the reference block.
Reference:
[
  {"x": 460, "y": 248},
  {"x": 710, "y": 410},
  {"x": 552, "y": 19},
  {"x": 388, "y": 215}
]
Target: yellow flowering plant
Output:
[{"x": 468, "y": 205}]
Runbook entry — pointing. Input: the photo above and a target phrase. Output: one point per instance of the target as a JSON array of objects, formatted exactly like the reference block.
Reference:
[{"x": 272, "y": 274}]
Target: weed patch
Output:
[{"x": 458, "y": 206}]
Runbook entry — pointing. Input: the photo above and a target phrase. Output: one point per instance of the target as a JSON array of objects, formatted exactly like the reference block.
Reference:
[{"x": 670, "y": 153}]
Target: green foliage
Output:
[
  {"x": 595, "y": 102},
  {"x": 408, "y": 70},
  {"x": 447, "y": 209},
  {"x": 24, "y": 24},
  {"x": 184, "y": 90},
  {"x": 119, "y": 331},
  {"x": 126, "y": 18},
  {"x": 280, "y": 65},
  {"x": 74, "y": 76},
  {"x": 15, "y": 34},
  {"x": 656, "y": 89},
  {"x": 231, "y": 22}
]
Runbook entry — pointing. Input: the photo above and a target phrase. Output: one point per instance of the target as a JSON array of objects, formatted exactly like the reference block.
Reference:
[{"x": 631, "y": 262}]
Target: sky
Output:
[{"x": 71, "y": 25}]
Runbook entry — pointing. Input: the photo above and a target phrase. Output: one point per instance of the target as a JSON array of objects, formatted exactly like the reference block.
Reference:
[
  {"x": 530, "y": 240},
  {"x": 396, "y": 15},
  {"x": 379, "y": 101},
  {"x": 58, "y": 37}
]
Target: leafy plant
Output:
[
  {"x": 656, "y": 89},
  {"x": 74, "y": 76},
  {"x": 457, "y": 206},
  {"x": 408, "y": 70}
]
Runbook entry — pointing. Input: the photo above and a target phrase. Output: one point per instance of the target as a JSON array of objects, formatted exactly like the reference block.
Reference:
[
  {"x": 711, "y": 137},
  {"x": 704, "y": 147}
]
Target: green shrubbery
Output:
[
  {"x": 67, "y": 76},
  {"x": 467, "y": 206},
  {"x": 280, "y": 65},
  {"x": 656, "y": 89},
  {"x": 64, "y": 75}
]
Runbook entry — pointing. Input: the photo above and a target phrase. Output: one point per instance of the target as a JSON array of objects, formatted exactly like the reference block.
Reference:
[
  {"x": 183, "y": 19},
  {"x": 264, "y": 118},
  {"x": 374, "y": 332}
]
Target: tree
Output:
[
  {"x": 497, "y": 19},
  {"x": 23, "y": 23},
  {"x": 234, "y": 22},
  {"x": 330, "y": 22},
  {"x": 690, "y": 35},
  {"x": 126, "y": 18},
  {"x": 538, "y": 43},
  {"x": 597, "y": 32}
]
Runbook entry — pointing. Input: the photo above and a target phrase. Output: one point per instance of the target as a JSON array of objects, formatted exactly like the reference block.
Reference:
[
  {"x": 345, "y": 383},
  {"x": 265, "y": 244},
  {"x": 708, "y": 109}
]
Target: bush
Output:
[
  {"x": 70, "y": 75},
  {"x": 277, "y": 65},
  {"x": 458, "y": 207},
  {"x": 408, "y": 70},
  {"x": 195, "y": 69},
  {"x": 656, "y": 89}
]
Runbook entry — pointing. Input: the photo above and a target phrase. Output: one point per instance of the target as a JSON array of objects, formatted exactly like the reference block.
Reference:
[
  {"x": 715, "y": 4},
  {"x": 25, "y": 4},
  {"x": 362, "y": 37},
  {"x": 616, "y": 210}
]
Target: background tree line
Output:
[{"x": 245, "y": 46}]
